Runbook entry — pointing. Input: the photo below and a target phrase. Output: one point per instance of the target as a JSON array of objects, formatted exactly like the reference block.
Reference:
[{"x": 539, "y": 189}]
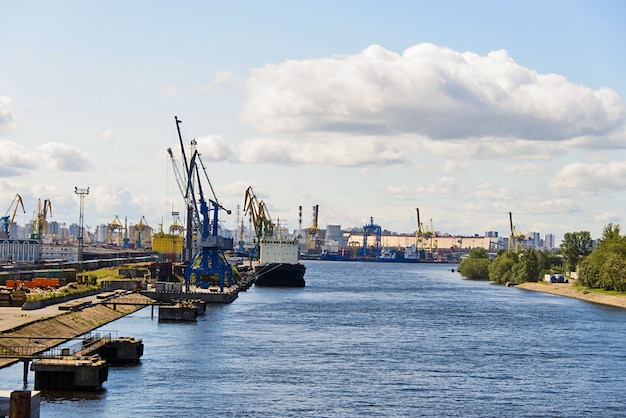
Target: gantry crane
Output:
[
  {"x": 425, "y": 237},
  {"x": 40, "y": 224},
  {"x": 371, "y": 229},
  {"x": 6, "y": 222},
  {"x": 142, "y": 233},
  {"x": 514, "y": 238},
  {"x": 177, "y": 227},
  {"x": 208, "y": 258},
  {"x": 419, "y": 234},
  {"x": 313, "y": 239},
  {"x": 260, "y": 217},
  {"x": 116, "y": 228}
]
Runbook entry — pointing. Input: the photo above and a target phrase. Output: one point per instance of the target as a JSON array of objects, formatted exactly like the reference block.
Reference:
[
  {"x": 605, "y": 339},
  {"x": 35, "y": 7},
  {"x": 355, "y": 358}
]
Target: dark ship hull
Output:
[{"x": 279, "y": 275}]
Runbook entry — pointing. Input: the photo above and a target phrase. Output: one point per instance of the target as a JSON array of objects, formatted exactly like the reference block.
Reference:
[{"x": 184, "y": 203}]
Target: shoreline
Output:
[
  {"x": 568, "y": 290},
  {"x": 40, "y": 331}
]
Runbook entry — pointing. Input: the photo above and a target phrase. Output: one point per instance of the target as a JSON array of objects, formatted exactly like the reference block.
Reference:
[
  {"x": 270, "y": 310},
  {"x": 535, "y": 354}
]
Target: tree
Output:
[
  {"x": 501, "y": 268},
  {"x": 605, "y": 268},
  {"x": 476, "y": 266},
  {"x": 575, "y": 246},
  {"x": 527, "y": 269}
]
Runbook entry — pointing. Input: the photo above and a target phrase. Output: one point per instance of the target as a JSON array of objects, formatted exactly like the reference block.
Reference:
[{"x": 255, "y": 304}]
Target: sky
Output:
[{"x": 369, "y": 109}]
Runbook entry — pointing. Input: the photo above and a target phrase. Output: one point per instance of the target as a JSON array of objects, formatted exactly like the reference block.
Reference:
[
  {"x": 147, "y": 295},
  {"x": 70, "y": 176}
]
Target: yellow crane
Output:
[
  {"x": 514, "y": 238},
  {"x": 6, "y": 222},
  {"x": 263, "y": 226},
  {"x": 115, "y": 228},
  {"x": 40, "y": 224},
  {"x": 313, "y": 240},
  {"x": 425, "y": 237},
  {"x": 143, "y": 233},
  {"x": 177, "y": 226}
]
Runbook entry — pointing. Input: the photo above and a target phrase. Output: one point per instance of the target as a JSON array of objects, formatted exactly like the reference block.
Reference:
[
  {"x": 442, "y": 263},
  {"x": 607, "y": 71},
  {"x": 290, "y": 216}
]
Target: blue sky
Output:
[{"x": 467, "y": 110}]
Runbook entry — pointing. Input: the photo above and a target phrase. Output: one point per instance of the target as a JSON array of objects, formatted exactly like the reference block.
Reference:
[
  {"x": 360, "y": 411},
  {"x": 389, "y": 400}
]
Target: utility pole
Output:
[{"x": 82, "y": 193}]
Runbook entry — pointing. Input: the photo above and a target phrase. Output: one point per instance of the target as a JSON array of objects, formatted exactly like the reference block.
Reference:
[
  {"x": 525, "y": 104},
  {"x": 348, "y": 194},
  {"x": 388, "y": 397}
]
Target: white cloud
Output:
[
  {"x": 490, "y": 191},
  {"x": 14, "y": 159},
  {"x": 490, "y": 105},
  {"x": 586, "y": 179},
  {"x": 444, "y": 185},
  {"x": 348, "y": 152},
  {"x": 524, "y": 169},
  {"x": 607, "y": 217},
  {"x": 64, "y": 157},
  {"x": 399, "y": 192},
  {"x": 107, "y": 136},
  {"x": 6, "y": 117},
  {"x": 213, "y": 148}
]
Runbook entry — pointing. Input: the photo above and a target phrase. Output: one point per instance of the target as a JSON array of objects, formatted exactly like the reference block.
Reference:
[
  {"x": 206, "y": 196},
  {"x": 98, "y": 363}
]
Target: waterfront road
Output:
[{"x": 13, "y": 317}]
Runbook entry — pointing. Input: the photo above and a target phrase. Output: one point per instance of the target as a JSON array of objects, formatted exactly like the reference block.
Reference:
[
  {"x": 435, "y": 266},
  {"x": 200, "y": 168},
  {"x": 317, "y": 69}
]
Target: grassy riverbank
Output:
[{"x": 572, "y": 291}]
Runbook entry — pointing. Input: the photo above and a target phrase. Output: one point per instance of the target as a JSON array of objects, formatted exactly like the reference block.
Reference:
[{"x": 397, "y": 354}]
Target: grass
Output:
[
  {"x": 586, "y": 290},
  {"x": 65, "y": 291}
]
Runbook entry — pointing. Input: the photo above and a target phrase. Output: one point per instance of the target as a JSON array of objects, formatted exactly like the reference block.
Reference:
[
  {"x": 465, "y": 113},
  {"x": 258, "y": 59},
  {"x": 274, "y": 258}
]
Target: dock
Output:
[
  {"x": 210, "y": 295},
  {"x": 186, "y": 310}
]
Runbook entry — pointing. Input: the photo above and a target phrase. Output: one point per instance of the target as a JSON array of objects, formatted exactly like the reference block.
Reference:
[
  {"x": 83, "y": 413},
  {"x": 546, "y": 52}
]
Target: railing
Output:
[{"x": 35, "y": 352}]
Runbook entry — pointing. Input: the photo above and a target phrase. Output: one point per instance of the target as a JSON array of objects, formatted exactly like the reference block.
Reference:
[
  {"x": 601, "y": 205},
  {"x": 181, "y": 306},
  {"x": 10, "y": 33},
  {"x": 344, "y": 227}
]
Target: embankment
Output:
[
  {"x": 566, "y": 289},
  {"x": 43, "y": 334}
]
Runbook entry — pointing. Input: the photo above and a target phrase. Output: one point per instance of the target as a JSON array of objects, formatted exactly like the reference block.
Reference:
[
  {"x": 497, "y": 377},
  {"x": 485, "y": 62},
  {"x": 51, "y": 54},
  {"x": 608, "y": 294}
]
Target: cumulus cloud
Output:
[
  {"x": 14, "y": 159},
  {"x": 524, "y": 169},
  {"x": 490, "y": 191},
  {"x": 586, "y": 179},
  {"x": 401, "y": 192},
  {"x": 433, "y": 93},
  {"x": 608, "y": 217},
  {"x": 444, "y": 185},
  {"x": 64, "y": 157},
  {"x": 348, "y": 152},
  {"x": 213, "y": 148}
]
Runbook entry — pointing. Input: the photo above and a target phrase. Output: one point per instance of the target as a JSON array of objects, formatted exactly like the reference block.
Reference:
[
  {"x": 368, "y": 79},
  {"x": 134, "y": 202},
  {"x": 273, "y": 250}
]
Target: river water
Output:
[{"x": 368, "y": 339}]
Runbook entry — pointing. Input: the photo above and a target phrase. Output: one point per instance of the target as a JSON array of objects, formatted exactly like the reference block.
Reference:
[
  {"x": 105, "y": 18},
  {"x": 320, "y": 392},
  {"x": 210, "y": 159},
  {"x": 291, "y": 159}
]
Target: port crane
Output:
[
  {"x": 208, "y": 260},
  {"x": 142, "y": 233},
  {"x": 6, "y": 222},
  {"x": 419, "y": 234},
  {"x": 261, "y": 220},
  {"x": 40, "y": 224},
  {"x": 115, "y": 227},
  {"x": 514, "y": 238},
  {"x": 425, "y": 237},
  {"x": 371, "y": 229},
  {"x": 313, "y": 240}
]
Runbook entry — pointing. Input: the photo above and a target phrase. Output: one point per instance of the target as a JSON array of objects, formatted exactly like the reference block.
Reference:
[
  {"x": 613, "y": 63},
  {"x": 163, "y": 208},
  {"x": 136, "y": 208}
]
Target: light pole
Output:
[{"x": 82, "y": 193}]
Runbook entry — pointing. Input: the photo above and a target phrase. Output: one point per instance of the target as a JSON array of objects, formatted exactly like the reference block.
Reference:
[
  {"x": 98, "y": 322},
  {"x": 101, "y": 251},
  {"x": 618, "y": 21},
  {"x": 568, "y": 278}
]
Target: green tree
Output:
[
  {"x": 476, "y": 266},
  {"x": 605, "y": 268},
  {"x": 576, "y": 245},
  {"x": 527, "y": 269},
  {"x": 501, "y": 268}
]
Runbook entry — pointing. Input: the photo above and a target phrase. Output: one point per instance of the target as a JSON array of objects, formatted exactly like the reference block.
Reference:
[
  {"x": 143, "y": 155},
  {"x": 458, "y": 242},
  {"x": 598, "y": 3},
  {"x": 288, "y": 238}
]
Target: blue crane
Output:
[
  {"x": 208, "y": 261},
  {"x": 6, "y": 222},
  {"x": 371, "y": 229}
]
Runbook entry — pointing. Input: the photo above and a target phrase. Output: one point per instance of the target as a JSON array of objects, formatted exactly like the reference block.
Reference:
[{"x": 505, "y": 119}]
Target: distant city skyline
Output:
[{"x": 466, "y": 110}]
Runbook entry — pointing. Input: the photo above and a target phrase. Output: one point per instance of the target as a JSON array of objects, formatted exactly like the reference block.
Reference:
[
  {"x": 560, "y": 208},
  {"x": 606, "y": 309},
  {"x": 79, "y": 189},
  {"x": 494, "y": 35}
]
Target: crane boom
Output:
[{"x": 7, "y": 221}]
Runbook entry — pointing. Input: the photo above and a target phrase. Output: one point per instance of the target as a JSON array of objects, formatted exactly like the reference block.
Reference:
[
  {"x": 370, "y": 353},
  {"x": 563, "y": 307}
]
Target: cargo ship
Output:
[
  {"x": 277, "y": 253},
  {"x": 278, "y": 264}
]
